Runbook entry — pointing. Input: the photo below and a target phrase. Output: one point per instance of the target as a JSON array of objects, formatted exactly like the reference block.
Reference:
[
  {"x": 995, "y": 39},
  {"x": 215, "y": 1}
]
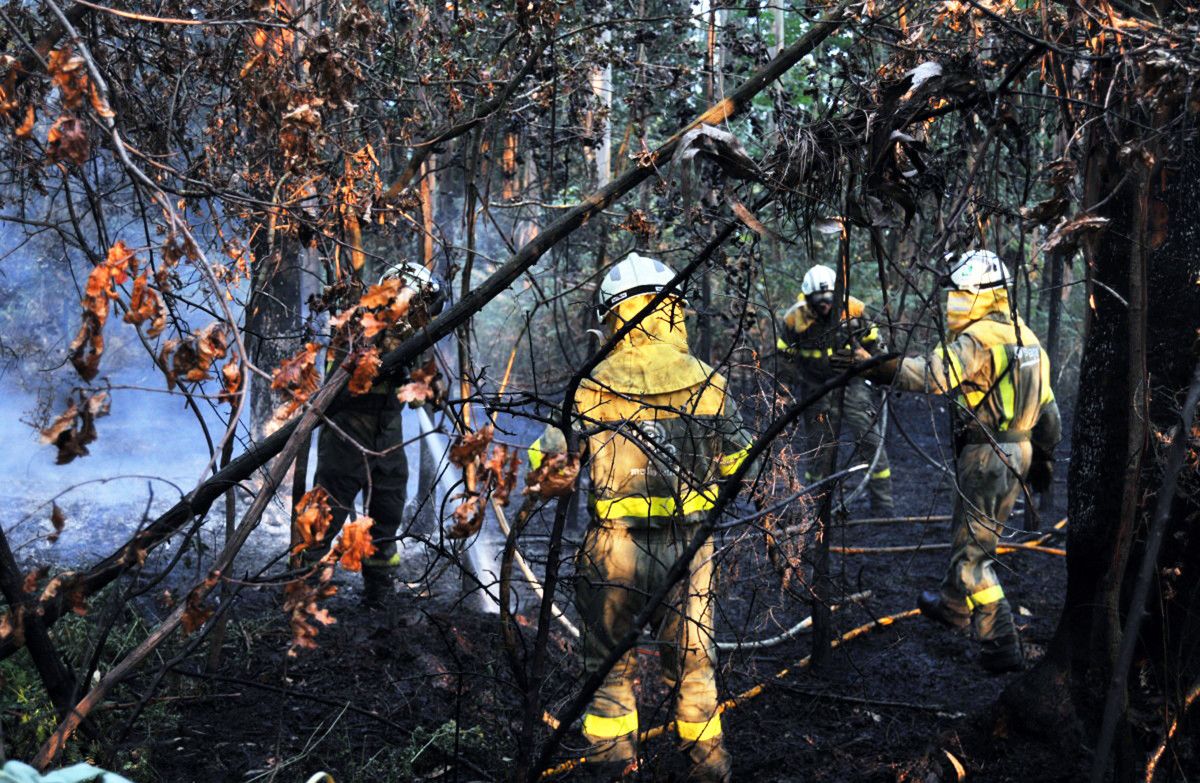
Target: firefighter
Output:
[
  {"x": 660, "y": 430},
  {"x": 809, "y": 335},
  {"x": 361, "y": 449},
  {"x": 1006, "y": 427}
]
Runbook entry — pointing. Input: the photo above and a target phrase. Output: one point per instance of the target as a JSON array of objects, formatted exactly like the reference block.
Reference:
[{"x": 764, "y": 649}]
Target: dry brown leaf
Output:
[
  {"x": 25, "y": 129},
  {"x": 468, "y": 518},
  {"x": 470, "y": 445},
  {"x": 99, "y": 105},
  {"x": 380, "y": 295},
  {"x": 63, "y": 423},
  {"x": 355, "y": 544},
  {"x": 297, "y": 378},
  {"x": 425, "y": 373},
  {"x": 1068, "y": 233},
  {"x": 637, "y": 223},
  {"x": 87, "y": 347},
  {"x": 68, "y": 71},
  {"x": 414, "y": 393},
  {"x": 555, "y": 478},
  {"x": 342, "y": 318},
  {"x": 196, "y": 614},
  {"x": 192, "y": 358},
  {"x": 752, "y": 222},
  {"x": 58, "y": 520},
  {"x": 67, "y": 140},
  {"x": 366, "y": 367},
  {"x": 300, "y": 603},
  {"x": 145, "y": 304},
  {"x": 100, "y": 289},
  {"x": 231, "y": 379},
  {"x": 313, "y": 516},
  {"x": 373, "y": 325},
  {"x": 30, "y": 582},
  {"x": 73, "y": 430}
]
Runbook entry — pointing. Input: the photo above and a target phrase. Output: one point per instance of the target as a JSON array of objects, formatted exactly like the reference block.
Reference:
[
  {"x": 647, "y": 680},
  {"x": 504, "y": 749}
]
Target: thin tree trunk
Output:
[{"x": 23, "y": 612}]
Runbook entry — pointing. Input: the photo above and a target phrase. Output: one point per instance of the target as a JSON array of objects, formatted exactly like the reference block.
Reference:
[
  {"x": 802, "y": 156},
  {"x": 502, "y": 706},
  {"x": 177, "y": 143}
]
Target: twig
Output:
[
  {"x": 292, "y": 693},
  {"x": 57, "y": 741}
]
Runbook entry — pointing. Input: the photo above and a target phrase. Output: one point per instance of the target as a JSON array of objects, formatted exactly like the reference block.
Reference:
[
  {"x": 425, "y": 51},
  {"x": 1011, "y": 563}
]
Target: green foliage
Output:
[
  {"x": 29, "y": 718},
  {"x": 427, "y": 749}
]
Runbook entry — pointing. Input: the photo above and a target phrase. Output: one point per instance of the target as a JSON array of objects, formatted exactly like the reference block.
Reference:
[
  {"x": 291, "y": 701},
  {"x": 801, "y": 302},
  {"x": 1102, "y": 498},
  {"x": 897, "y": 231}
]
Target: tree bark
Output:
[{"x": 1158, "y": 221}]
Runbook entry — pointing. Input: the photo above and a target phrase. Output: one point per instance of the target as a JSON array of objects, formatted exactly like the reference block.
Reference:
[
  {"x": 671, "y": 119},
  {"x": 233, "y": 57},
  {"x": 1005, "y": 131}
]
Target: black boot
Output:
[
  {"x": 710, "y": 761},
  {"x": 609, "y": 759},
  {"x": 946, "y": 611},
  {"x": 378, "y": 588},
  {"x": 1003, "y": 654}
]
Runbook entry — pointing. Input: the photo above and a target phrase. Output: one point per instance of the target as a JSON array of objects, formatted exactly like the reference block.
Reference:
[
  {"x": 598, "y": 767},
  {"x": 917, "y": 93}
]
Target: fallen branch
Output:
[
  {"x": 790, "y": 633},
  {"x": 1152, "y": 766},
  {"x": 908, "y": 705},
  {"x": 1003, "y": 549},
  {"x": 898, "y": 520},
  {"x": 197, "y": 503}
]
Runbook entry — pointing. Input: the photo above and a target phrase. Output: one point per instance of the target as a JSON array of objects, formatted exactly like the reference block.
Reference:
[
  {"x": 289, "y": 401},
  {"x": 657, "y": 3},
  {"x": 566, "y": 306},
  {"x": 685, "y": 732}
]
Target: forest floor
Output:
[{"x": 424, "y": 690}]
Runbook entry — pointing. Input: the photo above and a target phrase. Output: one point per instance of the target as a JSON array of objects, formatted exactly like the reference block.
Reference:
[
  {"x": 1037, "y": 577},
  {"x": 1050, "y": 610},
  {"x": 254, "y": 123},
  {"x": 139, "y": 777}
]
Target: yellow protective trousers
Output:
[
  {"x": 617, "y": 569},
  {"x": 988, "y": 486}
]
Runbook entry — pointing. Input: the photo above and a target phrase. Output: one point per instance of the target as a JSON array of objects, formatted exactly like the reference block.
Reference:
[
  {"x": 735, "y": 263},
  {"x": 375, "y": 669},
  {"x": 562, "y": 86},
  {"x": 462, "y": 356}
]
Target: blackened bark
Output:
[
  {"x": 272, "y": 318},
  {"x": 1067, "y": 687}
]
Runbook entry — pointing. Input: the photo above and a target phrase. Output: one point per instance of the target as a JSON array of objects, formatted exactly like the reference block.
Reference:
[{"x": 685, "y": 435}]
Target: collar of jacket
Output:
[
  {"x": 987, "y": 318},
  {"x": 653, "y": 358}
]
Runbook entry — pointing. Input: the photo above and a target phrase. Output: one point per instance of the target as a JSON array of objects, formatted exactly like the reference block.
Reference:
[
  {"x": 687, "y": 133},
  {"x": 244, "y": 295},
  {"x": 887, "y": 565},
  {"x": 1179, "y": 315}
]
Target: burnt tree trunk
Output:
[
  {"x": 1146, "y": 257},
  {"x": 272, "y": 318}
]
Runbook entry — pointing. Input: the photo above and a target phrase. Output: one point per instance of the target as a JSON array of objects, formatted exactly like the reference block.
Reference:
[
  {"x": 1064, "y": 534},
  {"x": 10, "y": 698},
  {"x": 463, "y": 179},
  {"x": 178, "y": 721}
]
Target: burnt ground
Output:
[{"x": 425, "y": 690}]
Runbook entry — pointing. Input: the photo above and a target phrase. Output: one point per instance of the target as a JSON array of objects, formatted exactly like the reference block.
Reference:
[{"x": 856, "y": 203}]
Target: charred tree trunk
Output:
[
  {"x": 1145, "y": 257},
  {"x": 272, "y": 318}
]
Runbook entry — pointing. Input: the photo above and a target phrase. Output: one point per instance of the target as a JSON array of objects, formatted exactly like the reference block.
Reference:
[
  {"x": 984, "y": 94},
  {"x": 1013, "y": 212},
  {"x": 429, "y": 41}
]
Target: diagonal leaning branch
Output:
[{"x": 197, "y": 502}]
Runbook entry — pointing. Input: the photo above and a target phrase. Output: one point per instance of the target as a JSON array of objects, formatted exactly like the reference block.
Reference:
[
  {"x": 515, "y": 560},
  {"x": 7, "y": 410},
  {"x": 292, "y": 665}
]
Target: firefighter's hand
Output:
[{"x": 843, "y": 360}]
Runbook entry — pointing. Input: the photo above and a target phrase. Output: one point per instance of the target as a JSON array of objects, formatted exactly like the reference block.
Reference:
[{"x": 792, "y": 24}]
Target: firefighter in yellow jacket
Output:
[
  {"x": 1007, "y": 425},
  {"x": 660, "y": 430},
  {"x": 809, "y": 335}
]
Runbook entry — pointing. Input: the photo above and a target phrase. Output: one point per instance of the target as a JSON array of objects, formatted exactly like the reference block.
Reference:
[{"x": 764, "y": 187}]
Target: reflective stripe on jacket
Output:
[
  {"x": 657, "y": 424},
  {"x": 810, "y": 339},
  {"x": 1002, "y": 383}
]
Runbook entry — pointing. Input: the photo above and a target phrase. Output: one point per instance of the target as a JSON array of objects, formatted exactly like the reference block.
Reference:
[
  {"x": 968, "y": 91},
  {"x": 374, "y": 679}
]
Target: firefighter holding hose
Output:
[
  {"x": 1006, "y": 427},
  {"x": 809, "y": 335},
  {"x": 660, "y": 430},
  {"x": 361, "y": 448}
]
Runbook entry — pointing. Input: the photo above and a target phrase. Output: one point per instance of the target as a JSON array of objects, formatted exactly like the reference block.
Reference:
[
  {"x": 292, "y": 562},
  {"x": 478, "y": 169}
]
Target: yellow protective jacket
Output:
[
  {"x": 810, "y": 340},
  {"x": 657, "y": 424},
  {"x": 997, "y": 369}
]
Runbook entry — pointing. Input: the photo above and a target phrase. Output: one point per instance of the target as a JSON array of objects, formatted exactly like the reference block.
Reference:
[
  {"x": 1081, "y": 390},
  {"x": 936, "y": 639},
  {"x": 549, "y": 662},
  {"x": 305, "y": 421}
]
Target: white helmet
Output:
[
  {"x": 431, "y": 287},
  {"x": 977, "y": 270},
  {"x": 634, "y": 275},
  {"x": 818, "y": 279}
]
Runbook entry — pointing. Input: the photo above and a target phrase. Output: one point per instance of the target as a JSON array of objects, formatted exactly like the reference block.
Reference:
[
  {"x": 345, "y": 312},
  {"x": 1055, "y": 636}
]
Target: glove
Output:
[
  {"x": 843, "y": 360},
  {"x": 1041, "y": 471},
  {"x": 882, "y": 374}
]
